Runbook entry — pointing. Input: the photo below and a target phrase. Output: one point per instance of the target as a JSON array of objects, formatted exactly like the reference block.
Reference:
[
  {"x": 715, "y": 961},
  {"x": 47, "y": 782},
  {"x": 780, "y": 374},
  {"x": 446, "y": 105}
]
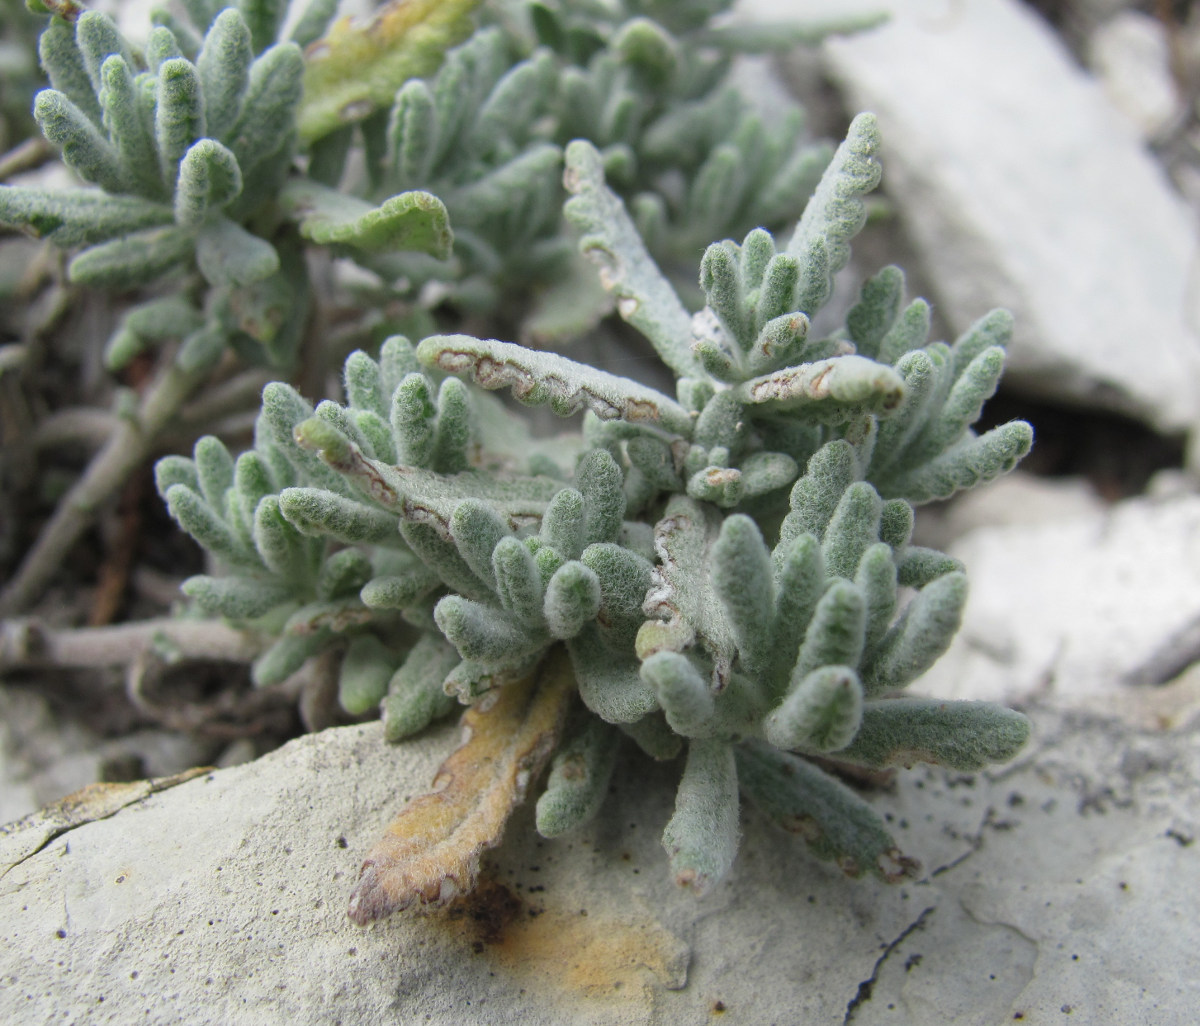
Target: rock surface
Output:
[
  {"x": 1022, "y": 186},
  {"x": 222, "y": 898},
  {"x": 1078, "y": 609}
]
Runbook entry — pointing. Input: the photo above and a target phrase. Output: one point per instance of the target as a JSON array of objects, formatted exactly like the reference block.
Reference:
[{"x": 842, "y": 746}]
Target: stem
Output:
[
  {"x": 127, "y": 446},
  {"x": 27, "y": 644},
  {"x": 28, "y": 155}
]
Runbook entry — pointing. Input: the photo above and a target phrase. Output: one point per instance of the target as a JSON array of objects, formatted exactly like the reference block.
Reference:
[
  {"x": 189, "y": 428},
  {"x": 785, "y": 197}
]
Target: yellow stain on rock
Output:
[{"x": 583, "y": 954}]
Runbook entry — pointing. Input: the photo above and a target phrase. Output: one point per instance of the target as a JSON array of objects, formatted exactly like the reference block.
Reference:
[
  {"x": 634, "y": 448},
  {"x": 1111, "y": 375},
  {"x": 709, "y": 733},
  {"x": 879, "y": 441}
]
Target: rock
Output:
[
  {"x": 1021, "y": 186},
  {"x": 44, "y": 756},
  {"x": 1131, "y": 55},
  {"x": 1076, "y": 610},
  {"x": 223, "y": 898},
  {"x": 1018, "y": 498}
]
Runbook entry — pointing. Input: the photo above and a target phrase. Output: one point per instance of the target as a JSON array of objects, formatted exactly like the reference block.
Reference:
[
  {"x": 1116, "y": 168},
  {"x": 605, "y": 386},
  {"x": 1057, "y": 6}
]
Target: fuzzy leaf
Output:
[
  {"x": 821, "y": 714},
  {"x": 415, "y": 695},
  {"x": 317, "y": 512},
  {"x": 366, "y": 668},
  {"x": 209, "y": 178},
  {"x": 431, "y": 852},
  {"x": 966, "y": 736},
  {"x": 224, "y": 67},
  {"x": 541, "y": 379},
  {"x": 131, "y": 260},
  {"x": 411, "y": 221},
  {"x": 357, "y": 68},
  {"x": 701, "y": 837},
  {"x": 834, "y": 822},
  {"x": 79, "y": 216},
  {"x": 644, "y": 297},
  {"x": 228, "y": 255},
  {"x": 833, "y": 391},
  {"x": 84, "y": 149},
  {"x": 835, "y": 213},
  {"x": 238, "y": 598},
  {"x": 578, "y": 781}
]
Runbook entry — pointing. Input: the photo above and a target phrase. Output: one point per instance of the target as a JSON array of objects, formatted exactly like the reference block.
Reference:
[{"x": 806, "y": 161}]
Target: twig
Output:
[
  {"x": 29, "y": 644},
  {"x": 82, "y": 425},
  {"x": 28, "y": 155},
  {"x": 125, "y": 449}
]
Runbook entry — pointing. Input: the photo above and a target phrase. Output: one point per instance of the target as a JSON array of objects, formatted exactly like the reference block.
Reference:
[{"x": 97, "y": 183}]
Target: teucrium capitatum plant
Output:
[{"x": 728, "y": 571}]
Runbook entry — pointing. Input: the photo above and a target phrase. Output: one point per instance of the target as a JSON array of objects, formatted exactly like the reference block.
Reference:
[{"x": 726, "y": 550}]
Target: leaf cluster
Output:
[{"x": 728, "y": 571}]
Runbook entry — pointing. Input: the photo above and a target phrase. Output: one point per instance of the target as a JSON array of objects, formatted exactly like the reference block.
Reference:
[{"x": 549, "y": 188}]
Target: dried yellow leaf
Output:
[{"x": 431, "y": 852}]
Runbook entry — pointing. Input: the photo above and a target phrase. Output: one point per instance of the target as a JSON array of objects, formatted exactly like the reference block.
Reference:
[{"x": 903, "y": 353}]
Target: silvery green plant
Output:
[
  {"x": 188, "y": 144},
  {"x": 681, "y": 144},
  {"x": 722, "y": 569}
]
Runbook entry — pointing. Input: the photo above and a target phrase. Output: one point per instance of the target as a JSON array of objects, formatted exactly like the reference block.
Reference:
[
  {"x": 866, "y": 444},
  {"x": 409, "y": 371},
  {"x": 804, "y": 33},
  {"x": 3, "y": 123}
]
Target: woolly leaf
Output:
[
  {"x": 920, "y": 636},
  {"x": 316, "y": 512},
  {"x": 572, "y": 598},
  {"x": 835, "y": 213},
  {"x": 741, "y": 576},
  {"x": 285, "y": 657},
  {"x": 540, "y": 379},
  {"x": 127, "y": 126},
  {"x": 972, "y": 462},
  {"x": 701, "y": 837},
  {"x": 131, "y": 260},
  {"x": 228, "y": 255},
  {"x": 366, "y": 669},
  {"x": 578, "y": 781},
  {"x": 357, "y": 68},
  {"x": 84, "y": 149},
  {"x": 415, "y": 696},
  {"x": 224, "y": 68},
  {"x": 964, "y": 736},
  {"x": 59, "y": 55},
  {"x": 178, "y": 113},
  {"x": 644, "y": 297},
  {"x": 822, "y": 713},
  {"x": 836, "y": 634},
  {"x": 209, "y": 178},
  {"x": 834, "y": 822},
  {"x": 685, "y": 696},
  {"x": 79, "y": 216},
  {"x": 833, "y": 390},
  {"x": 238, "y": 598},
  {"x": 411, "y": 221},
  {"x": 266, "y": 123}
]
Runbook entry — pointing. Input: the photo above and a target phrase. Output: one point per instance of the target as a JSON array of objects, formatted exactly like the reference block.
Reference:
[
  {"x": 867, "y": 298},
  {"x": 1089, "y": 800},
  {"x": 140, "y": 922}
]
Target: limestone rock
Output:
[
  {"x": 1023, "y": 187},
  {"x": 1086, "y": 612},
  {"x": 222, "y": 898}
]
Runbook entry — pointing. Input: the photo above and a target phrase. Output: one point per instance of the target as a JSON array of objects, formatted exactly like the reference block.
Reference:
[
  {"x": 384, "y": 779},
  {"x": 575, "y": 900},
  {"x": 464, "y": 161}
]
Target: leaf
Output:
[
  {"x": 965, "y": 736},
  {"x": 701, "y": 837},
  {"x": 578, "y": 782},
  {"x": 357, "y": 68},
  {"x": 131, "y": 260},
  {"x": 431, "y": 852},
  {"x": 79, "y": 216},
  {"x": 835, "y": 213},
  {"x": 835, "y": 823},
  {"x": 644, "y": 297},
  {"x": 545, "y": 379},
  {"x": 228, "y": 255},
  {"x": 410, "y": 221},
  {"x": 834, "y": 390}
]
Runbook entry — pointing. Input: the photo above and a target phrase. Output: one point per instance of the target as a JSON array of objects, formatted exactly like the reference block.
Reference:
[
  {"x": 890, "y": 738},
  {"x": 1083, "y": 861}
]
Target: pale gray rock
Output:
[
  {"x": 1131, "y": 56},
  {"x": 1077, "y": 611},
  {"x": 1023, "y": 187},
  {"x": 222, "y": 898}
]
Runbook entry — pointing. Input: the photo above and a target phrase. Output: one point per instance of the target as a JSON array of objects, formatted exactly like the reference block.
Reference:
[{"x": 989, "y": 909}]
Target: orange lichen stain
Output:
[{"x": 589, "y": 955}]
